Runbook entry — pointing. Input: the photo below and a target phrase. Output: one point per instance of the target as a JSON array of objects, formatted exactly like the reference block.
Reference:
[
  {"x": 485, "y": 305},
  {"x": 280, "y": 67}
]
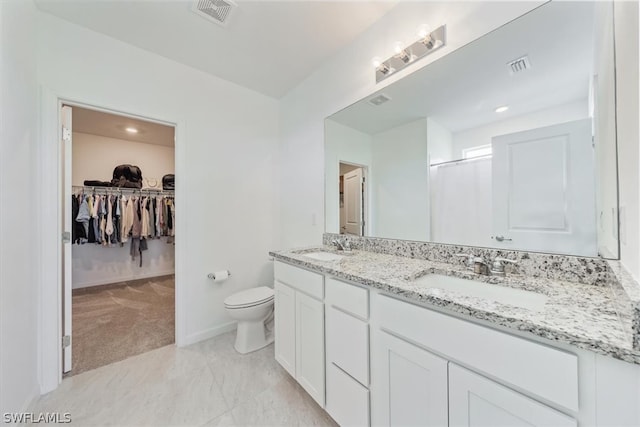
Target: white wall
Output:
[
  {"x": 94, "y": 265},
  {"x": 626, "y": 30},
  {"x": 439, "y": 142},
  {"x": 399, "y": 183},
  {"x": 94, "y": 157},
  {"x": 226, "y": 152},
  {"x": 344, "y": 144},
  {"x": 482, "y": 135},
  {"x": 348, "y": 77},
  {"x": 19, "y": 254}
]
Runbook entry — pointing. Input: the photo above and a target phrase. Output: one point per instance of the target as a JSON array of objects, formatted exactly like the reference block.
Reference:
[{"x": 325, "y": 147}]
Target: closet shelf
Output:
[{"x": 121, "y": 190}]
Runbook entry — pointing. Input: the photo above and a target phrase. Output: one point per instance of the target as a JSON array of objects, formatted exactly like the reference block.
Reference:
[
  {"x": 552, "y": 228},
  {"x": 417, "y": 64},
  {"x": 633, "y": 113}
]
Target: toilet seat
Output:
[{"x": 249, "y": 298}]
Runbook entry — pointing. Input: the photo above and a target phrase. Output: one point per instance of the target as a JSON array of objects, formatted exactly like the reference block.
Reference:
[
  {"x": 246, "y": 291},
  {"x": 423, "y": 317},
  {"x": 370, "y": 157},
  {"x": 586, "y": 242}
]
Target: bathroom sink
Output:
[
  {"x": 323, "y": 256},
  {"x": 502, "y": 294}
]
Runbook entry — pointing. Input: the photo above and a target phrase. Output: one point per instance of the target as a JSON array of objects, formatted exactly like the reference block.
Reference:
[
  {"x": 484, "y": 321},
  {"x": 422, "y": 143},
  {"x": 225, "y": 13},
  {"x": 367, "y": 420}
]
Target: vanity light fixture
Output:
[
  {"x": 502, "y": 109},
  {"x": 429, "y": 42},
  {"x": 131, "y": 130}
]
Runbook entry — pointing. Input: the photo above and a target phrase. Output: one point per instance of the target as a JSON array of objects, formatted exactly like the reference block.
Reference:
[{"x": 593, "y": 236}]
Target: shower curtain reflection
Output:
[{"x": 466, "y": 218}]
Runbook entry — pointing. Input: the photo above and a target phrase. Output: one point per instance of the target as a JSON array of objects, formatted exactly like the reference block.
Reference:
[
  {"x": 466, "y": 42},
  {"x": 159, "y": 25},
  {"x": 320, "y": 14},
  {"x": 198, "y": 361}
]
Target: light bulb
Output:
[
  {"x": 423, "y": 31},
  {"x": 132, "y": 130},
  {"x": 397, "y": 47},
  {"x": 376, "y": 62},
  {"x": 502, "y": 109}
]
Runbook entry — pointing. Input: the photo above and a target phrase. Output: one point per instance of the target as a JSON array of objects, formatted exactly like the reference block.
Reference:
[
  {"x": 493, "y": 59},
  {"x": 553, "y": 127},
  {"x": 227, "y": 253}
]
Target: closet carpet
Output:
[{"x": 116, "y": 321}]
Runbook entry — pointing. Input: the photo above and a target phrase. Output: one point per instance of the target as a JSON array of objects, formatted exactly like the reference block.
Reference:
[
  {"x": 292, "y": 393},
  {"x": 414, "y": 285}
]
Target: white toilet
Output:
[{"x": 251, "y": 308}]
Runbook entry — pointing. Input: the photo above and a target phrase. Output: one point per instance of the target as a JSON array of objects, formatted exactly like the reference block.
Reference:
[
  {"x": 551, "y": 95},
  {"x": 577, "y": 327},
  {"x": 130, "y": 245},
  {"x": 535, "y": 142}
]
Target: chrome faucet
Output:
[
  {"x": 343, "y": 245},
  {"x": 475, "y": 264},
  {"x": 469, "y": 262},
  {"x": 497, "y": 267}
]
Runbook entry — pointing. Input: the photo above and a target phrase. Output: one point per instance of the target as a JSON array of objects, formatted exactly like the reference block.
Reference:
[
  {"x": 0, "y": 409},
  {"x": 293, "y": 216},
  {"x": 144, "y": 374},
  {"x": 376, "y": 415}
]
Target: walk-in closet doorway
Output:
[
  {"x": 57, "y": 187},
  {"x": 120, "y": 211}
]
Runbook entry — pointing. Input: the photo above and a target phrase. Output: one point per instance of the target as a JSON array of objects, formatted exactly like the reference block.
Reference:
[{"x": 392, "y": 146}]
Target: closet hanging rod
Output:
[{"x": 122, "y": 190}]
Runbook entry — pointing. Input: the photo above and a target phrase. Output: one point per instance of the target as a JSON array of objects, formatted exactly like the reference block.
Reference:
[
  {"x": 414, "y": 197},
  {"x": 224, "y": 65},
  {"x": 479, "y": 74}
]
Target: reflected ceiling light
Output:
[
  {"x": 381, "y": 67},
  {"x": 404, "y": 55},
  {"x": 423, "y": 31},
  {"x": 131, "y": 130},
  {"x": 502, "y": 109}
]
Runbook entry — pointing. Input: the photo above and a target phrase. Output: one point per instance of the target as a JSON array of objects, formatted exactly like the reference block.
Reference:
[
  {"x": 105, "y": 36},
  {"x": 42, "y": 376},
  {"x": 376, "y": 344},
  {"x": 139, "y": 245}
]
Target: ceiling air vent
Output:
[
  {"x": 217, "y": 11},
  {"x": 519, "y": 65},
  {"x": 379, "y": 99}
]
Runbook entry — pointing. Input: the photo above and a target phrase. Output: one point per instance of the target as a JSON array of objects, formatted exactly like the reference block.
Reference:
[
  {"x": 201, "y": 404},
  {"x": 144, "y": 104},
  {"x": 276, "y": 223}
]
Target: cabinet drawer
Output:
[
  {"x": 303, "y": 280},
  {"x": 348, "y": 344},
  {"x": 350, "y": 298},
  {"x": 347, "y": 400},
  {"x": 535, "y": 368}
]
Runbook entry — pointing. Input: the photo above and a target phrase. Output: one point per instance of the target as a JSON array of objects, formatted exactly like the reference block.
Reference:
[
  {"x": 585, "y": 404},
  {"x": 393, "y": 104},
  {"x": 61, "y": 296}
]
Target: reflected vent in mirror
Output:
[
  {"x": 519, "y": 65},
  {"x": 217, "y": 11},
  {"x": 379, "y": 99}
]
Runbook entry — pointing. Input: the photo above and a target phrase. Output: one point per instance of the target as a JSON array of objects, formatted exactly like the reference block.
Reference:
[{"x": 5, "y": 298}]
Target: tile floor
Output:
[{"x": 205, "y": 384}]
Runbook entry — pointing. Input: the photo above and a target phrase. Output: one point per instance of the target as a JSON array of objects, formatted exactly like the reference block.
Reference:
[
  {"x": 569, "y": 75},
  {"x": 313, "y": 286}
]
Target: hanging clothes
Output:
[
  {"x": 110, "y": 219},
  {"x": 115, "y": 218},
  {"x": 103, "y": 220},
  {"x": 144, "y": 218},
  {"x": 82, "y": 218},
  {"x": 95, "y": 216},
  {"x": 127, "y": 218},
  {"x": 76, "y": 230},
  {"x": 152, "y": 217}
]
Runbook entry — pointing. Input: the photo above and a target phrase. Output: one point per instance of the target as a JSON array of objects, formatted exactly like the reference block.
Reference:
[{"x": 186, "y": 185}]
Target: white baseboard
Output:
[
  {"x": 109, "y": 280},
  {"x": 208, "y": 333}
]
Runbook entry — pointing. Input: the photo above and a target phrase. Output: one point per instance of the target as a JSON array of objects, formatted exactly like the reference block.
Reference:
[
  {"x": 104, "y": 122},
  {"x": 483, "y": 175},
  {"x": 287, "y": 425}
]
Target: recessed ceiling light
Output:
[
  {"x": 502, "y": 109},
  {"x": 131, "y": 130}
]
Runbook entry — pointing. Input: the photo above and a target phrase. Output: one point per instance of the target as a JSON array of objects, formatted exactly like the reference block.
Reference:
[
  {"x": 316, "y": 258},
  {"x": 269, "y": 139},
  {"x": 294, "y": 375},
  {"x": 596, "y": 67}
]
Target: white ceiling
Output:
[
  {"x": 267, "y": 46},
  {"x": 461, "y": 90},
  {"x": 113, "y": 126}
]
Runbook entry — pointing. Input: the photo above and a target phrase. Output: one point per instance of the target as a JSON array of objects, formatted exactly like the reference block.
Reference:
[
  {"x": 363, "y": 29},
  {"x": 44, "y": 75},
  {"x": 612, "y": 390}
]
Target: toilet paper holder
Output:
[{"x": 212, "y": 276}]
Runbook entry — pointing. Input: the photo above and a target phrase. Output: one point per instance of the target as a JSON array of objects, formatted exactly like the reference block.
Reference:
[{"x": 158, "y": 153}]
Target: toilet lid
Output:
[{"x": 251, "y": 296}]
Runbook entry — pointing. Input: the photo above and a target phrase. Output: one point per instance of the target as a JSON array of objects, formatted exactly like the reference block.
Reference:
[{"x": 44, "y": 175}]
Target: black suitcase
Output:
[
  {"x": 128, "y": 176},
  {"x": 169, "y": 182}
]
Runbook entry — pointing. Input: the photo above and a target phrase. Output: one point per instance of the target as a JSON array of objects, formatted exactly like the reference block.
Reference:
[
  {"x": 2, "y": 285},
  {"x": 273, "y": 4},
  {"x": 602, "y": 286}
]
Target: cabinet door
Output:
[
  {"x": 285, "y": 327},
  {"x": 410, "y": 384},
  {"x": 477, "y": 401},
  {"x": 310, "y": 367}
]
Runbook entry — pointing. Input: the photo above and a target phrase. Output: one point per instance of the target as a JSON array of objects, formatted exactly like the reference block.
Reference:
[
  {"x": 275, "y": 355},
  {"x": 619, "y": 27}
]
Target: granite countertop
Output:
[{"x": 596, "y": 318}]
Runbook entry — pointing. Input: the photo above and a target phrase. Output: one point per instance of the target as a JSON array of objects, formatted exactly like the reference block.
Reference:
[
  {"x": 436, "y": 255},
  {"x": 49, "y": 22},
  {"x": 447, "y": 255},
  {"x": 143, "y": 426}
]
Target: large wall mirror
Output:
[{"x": 474, "y": 149}]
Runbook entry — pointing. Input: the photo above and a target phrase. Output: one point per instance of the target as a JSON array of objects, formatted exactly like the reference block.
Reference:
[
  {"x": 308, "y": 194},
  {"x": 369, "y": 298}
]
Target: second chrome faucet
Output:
[{"x": 479, "y": 266}]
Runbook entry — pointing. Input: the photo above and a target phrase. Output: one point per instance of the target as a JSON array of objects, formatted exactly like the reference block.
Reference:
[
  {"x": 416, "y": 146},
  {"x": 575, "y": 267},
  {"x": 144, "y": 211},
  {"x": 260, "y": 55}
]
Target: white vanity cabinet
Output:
[
  {"x": 370, "y": 358},
  {"x": 418, "y": 379},
  {"x": 347, "y": 338},
  {"x": 299, "y": 327},
  {"x": 477, "y": 401},
  {"x": 410, "y": 384}
]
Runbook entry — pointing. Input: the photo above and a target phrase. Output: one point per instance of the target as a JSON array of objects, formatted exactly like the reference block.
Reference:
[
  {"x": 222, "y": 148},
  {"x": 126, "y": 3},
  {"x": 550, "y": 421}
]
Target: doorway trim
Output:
[
  {"x": 49, "y": 225},
  {"x": 366, "y": 198}
]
